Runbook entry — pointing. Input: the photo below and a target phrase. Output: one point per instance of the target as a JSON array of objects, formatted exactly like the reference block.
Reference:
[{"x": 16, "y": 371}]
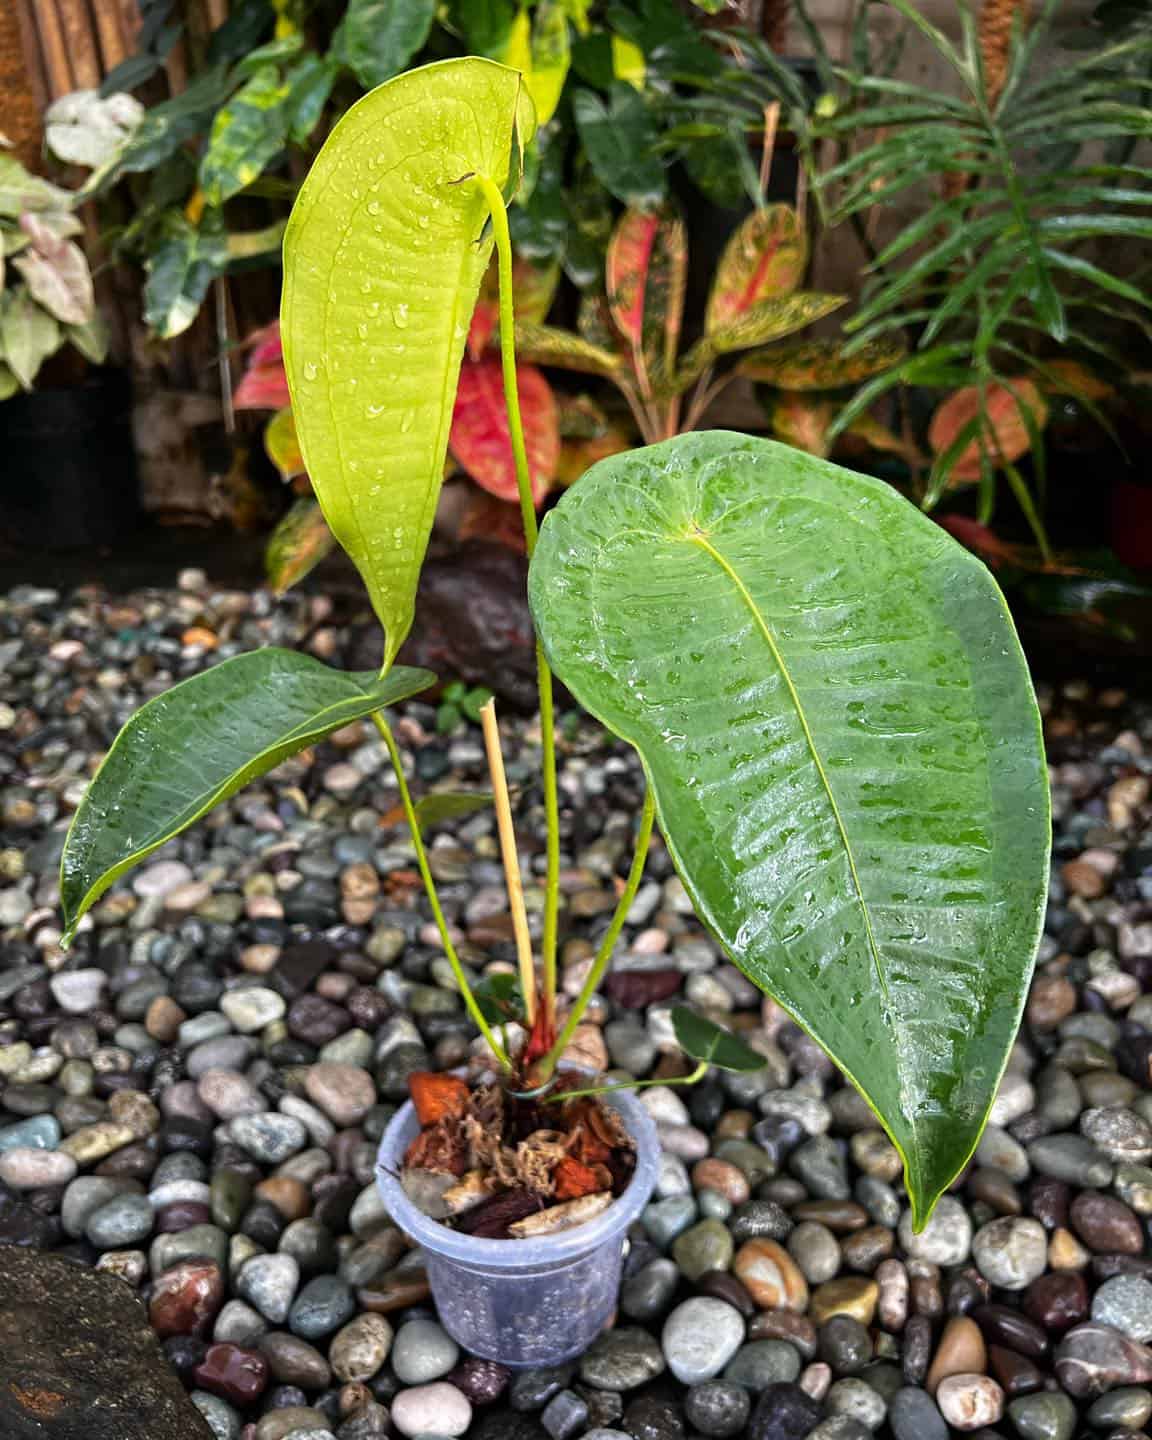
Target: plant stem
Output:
[
  {"x": 527, "y": 963},
  {"x": 531, "y": 533},
  {"x": 608, "y": 944},
  {"x": 433, "y": 898},
  {"x": 697, "y": 1074}
]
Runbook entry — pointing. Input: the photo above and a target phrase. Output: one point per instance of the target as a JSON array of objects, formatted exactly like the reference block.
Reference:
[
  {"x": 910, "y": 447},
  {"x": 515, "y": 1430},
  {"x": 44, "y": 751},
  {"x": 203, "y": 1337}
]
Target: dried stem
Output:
[{"x": 511, "y": 858}]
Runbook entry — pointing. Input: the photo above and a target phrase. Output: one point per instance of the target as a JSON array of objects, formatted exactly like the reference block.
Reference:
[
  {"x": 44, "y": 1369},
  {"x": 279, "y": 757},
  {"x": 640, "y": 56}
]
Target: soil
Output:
[{"x": 490, "y": 1163}]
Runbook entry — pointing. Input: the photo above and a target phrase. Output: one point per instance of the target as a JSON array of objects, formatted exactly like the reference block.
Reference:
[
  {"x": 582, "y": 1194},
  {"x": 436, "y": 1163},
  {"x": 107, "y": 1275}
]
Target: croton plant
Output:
[{"x": 824, "y": 690}]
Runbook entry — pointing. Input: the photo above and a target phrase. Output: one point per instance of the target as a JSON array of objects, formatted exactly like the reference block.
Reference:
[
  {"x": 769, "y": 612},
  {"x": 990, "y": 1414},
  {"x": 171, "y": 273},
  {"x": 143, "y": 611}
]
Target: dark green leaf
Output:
[
  {"x": 188, "y": 749},
  {"x": 619, "y": 138},
  {"x": 871, "y": 849},
  {"x": 180, "y": 271},
  {"x": 247, "y": 133},
  {"x": 309, "y": 86},
  {"x": 377, "y": 38},
  {"x": 440, "y": 806},
  {"x": 702, "y": 1039},
  {"x": 486, "y": 24},
  {"x": 248, "y": 23},
  {"x": 499, "y": 998}
]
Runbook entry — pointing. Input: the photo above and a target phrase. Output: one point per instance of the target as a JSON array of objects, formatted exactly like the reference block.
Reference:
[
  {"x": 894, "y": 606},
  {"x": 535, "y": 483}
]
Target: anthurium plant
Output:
[{"x": 825, "y": 691}]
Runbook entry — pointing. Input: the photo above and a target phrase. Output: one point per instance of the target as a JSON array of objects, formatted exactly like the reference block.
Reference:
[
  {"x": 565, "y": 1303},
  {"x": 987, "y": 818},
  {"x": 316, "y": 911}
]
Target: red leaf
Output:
[
  {"x": 486, "y": 518},
  {"x": 764, "y": 260},
  {"x": 480, "y": 440},
  {"x": 266, "y": 346},
  {"x": 982, "y": 541},
  {"x": 1006, "y": 433},
  {"x": 265, "y": 385},
  {"x": 646, "y": 272}
]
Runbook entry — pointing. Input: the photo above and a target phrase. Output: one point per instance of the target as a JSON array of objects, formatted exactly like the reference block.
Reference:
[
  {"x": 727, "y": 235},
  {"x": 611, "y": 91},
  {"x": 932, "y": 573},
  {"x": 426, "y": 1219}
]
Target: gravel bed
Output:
[{"x": 192, "y": 1098}]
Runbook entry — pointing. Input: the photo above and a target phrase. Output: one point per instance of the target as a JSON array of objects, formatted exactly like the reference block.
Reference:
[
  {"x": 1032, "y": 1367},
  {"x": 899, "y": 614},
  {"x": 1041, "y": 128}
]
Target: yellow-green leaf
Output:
[
  {"x": 773, "y": 319},
  {"x": 282, "y": 445},
  {"x": 383, "y": 258},
  {"x": 297, "y": 545},
  {"x": 547, "y": 345}
]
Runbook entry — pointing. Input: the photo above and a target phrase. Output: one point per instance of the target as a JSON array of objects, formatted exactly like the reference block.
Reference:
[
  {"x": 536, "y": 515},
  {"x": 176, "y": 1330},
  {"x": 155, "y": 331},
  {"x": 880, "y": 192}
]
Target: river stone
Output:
[
  {"x": 1125, "y": 1303},
  {"x": 717, "y": 1408},
  {"x": 359, "y": 1350},
  {"x": 762, "y": 1363},
  {"x": 1128, "y": 1408},
  {"x": 123, "y": 1220},
  {"x": 423, "y": 1351},
  {"x": 648, "y": 1293},
  {"x": 1043, "y": 1417},
  {"x": 432, "y": 1410},
  {"x": 269, "y": 1282},
  {"x": 945, "y": 1240},
  {"x": 706, "y": 1246},
  {"x": 700, "y": 1337},
  {"x": 322, "y": 1306},
  {"x": 784, "y": 1412},
  {"x": 970, "y": 1402},
  {"x": 1011, "y": 1252},
  {"x": 622, "y": 1360},
  {"x": 1094, "y": 1358},
  {"x": 79, "y": 1361},
  {"x": 914, "y": 1415}
]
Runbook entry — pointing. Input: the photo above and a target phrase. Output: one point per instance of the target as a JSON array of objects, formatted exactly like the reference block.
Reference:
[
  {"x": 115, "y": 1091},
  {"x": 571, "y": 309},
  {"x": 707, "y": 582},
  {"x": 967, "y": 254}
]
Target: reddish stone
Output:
[
  {"x": 182, "y": 1215},
  {"x": 186, "y": 1298},
  {"x": 235, "y": 1374},
  {"x": 636, "y": 989},
  {"x": 1057, "y": 1301}
]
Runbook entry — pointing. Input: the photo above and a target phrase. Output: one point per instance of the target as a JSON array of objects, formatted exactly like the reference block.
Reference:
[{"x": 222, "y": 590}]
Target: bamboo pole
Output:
[{"x": 511, "y": 858}]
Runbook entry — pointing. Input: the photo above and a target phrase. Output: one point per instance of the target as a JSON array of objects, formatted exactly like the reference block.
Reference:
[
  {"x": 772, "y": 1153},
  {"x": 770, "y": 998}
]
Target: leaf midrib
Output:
[{"x": 699, "y": 538}]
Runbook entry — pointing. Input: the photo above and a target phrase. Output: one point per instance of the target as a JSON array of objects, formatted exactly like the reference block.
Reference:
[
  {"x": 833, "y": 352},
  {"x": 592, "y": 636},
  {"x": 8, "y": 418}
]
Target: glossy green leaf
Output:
[
  {"x": 836, "y": 718},
  {"x": 486, "y": 24},
  {"x": 703, "y": 1039},
  {"x": 383, "y": 258},
  {"x": 180, "y": 271},
  {"x": 310, "y": 83},
  {"x": 619, "y": 138},
  {"x": 246, "y": 134},
  {"x": 377, "y": 38},
  {"x": 499, "y": 998},
  {"x": 297, "y": 545},
  {"x": 200, "y": 742}
]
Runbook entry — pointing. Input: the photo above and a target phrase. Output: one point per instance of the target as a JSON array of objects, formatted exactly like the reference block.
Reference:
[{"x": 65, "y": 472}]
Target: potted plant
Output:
[
  {"x": 831, "y": 707},
  {"x": 67, "y": 430}
]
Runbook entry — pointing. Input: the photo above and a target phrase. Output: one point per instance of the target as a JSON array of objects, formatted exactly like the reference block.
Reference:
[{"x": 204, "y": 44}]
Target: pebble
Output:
[
  {"x": 771, "y": 1276},
  {"x": 784, "y": 1412},
  {"x": 323, "y": 1305},
  {"x": 1125, "y": 1303},
  {"x": 432, "y": 1410},
  {"x": 1106, "y": 1224},
  {"x": 961, "y": 1351},
  {"x": 970, "y": 1402},
  {"x": 269, "y": 1138},
  {"x": 718, "y": 1409},
  {"x": 25, "y": 1167},
  {"x": 622, "y": 1359},
  {"x": 122, "y": 1221},
  {"x": 345, "y": 1093},
  {"x": 1011, "y": 1252},
  {"x": 1093, "y": 1358},
  {"x": 699, "y": 1337},
  {"x": 1043, "y": 1417},
  {"x": 859, "y": 1401},
  {"x": 945, "y": 1240},
  {"x": 914, "y": 1415},
  {"x": 359, "y": 1350},
  {"x": 705, "y": 1246}
]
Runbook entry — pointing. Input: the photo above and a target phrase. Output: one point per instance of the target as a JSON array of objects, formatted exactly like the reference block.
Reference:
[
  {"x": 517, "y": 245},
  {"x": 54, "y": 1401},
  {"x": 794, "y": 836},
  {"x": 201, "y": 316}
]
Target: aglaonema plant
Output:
[{"x": 832, "y": 711}]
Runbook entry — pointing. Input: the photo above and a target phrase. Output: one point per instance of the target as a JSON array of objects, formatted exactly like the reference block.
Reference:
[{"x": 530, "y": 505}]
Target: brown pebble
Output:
[
  {"x": 163, "y": 1019},
  {"x": 1048, "y": 1201},
  {"x": 723, "y": 1177},
  {"x": 865, "y": 1250},
  {"x": 1065, "y": 1252},
  {"x": 1051, "y": 999},
  {"x": 1004, "y": 1326},
  {"x": 771, "y": 1276},
  {"x": 1084, "y": 879},
  {"x": 798, "y": 1330},
  {"x": 892, "y": 1279},
  {"x": 395, "y": 1292},
  {"x": 995, "y": 1189},
  {"x": 1057, "y": 1301},
  {"x": 1016, "y": 1374},
  {"x": 722, "y": 1285},
  {"x": 924, "y": 1286},
  {"x": 849, "y": 1295},
  {"x": 1104, "y": 1223},
  {"x": 734, "y": 1125},
  {"x": 291, "y": 1197},
  {"x": 961, "y": 1351},
  {"x": 842, "y": 1216}
]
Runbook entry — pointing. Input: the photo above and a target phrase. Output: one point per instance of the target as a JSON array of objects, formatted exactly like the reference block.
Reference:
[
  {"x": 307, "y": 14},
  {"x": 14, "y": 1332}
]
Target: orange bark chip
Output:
[
  {"x": 437, "y": 1097},
  {"x": 572, "y": 1179}
]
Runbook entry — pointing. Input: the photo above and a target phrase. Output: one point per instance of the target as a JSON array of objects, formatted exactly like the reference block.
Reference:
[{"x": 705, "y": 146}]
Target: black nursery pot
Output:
[{"x": 68, "y": 477}]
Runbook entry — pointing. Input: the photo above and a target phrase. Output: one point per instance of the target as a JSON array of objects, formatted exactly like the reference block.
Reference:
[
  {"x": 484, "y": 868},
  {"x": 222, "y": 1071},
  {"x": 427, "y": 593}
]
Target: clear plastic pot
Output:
[{"x": 524, "y": 1302}]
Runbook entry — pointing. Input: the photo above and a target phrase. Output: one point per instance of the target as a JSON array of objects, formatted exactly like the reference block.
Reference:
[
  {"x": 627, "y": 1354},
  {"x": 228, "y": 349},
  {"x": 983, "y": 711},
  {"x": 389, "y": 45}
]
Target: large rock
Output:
[
  {"x": 78, "y": 1360},
  {"x": 472, "y": 623}
]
